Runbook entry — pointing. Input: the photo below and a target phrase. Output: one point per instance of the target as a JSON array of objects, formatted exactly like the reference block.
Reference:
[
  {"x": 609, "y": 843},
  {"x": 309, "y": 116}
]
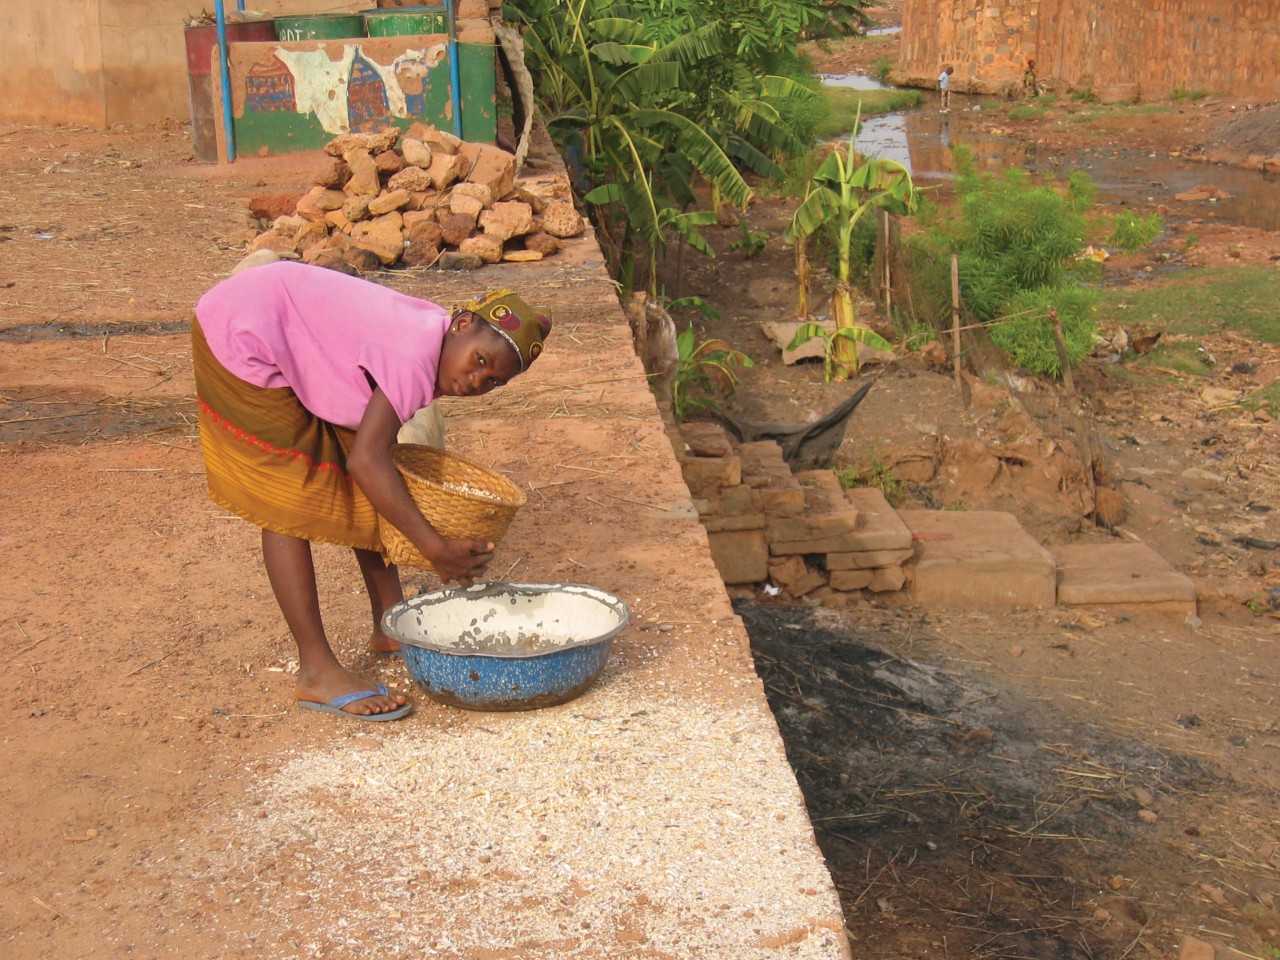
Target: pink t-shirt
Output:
[{"x": 319, "y": 332}]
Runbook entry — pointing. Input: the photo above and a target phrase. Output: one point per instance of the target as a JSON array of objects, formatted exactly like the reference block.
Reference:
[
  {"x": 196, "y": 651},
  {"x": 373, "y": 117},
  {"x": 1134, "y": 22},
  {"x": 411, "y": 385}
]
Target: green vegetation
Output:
[
  {"x": 836, "y": 343},
  {"x": 839, "y": 194},
  {"x": 648, "y": 97},
  {"x": 843, "y": 104},
  {"x": 1182, "y": 93},
  {"x": 877, "y": 475},
  {"x": 1130, "y": 232},
  {"x": 752, "y": 242},
  {"x": 881, "y": 67},
  {"x": 1268, "y": 399},
  {"x": 704, "y": 372},
  {"x": 1017, "y": 244},
  {"x": 1202, "y": 301},
  {"x": 1027, "y": 112}
]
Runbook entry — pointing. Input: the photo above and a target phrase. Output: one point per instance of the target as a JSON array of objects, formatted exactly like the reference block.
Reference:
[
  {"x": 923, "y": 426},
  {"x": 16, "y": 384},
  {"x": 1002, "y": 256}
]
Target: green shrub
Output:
[
  {"x": 1131, "y": 232},
  {"x": 1027, "y": 337}
]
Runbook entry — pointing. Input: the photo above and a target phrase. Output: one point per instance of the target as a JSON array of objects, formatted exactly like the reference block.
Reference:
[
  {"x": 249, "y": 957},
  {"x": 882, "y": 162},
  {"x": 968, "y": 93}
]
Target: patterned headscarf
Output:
[{"x": 516, "y": 322}]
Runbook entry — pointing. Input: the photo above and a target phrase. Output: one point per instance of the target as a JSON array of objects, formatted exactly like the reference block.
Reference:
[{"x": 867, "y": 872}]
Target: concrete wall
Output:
[
  {"x": 99, "y": 62},
  {"x": 1224, "y": 46}
]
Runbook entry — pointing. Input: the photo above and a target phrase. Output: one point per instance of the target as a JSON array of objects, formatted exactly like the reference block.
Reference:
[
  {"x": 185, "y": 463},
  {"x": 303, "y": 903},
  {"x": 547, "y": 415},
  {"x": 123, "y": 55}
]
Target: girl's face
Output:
[{"x": 475, "y": 359}]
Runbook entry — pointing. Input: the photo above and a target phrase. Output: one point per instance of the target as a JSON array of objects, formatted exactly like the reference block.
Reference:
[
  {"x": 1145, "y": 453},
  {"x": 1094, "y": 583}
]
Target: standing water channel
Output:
[{"x": 923, "y": 141}]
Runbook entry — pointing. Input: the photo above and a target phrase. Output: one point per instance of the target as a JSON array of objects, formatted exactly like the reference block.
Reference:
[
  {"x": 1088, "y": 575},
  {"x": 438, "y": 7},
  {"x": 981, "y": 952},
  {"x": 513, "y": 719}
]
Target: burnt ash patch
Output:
[{"x": 957, "y": 817}]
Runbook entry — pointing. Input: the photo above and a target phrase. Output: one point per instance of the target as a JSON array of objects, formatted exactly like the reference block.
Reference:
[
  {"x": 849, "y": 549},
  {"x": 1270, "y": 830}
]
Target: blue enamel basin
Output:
[{"x": 506, "y": 646}]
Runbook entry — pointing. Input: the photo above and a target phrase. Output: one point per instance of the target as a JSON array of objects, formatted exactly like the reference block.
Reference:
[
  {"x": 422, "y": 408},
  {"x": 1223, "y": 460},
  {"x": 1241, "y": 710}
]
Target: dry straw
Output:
[{"x": 461, "y": 499}]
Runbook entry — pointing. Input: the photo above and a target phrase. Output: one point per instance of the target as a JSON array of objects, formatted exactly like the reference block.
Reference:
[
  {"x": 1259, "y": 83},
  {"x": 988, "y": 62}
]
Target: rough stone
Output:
[
  {"x": 423, "y": 231},
  {"x": 741, "y": 556},
  {"x": 1121, "y": 576},
  {"x": 414, "y": 217},
  {"x": 489, "y": 249},
  {"x": 978, "y": 560},
  {"x": 507, "y": 219},
  {"x": 307, "y": 207},
  {"x": 370, "y": 143},
  {"x": 277, "y": 241},
  {"x": 452, "y": 260},
  {"x": 311, "y": 235},
  {"x": 445, "y": 169},
  {"x": 479, "y": 191},
  {"x": 386, "y": 202},
  {"x": 542, "y": 243},
  {"x": 413, "y": 179},
  {"x": 361, "y": 259},
  {"x": 561, "y": 219},
  {"x": 457, "y": 227},
  {"x": 364, "y": 180},
  {"x": 419, "y": 253},
  {"x": 466, "y": 205},
  {"x": 520, "y": 256},
  {"x": 356, "y": 208},
  {"x": 334, "y": 174},
  {"x": 381, "y": 236},
  {"x": 388, "y": 163},
  {"x": 489, "y": 165},
  {"x": 416, "y": 152}
]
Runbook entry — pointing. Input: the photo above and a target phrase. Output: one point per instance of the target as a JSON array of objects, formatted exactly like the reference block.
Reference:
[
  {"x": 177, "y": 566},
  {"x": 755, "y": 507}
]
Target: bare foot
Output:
[
  {"x": 323, "y": 687},
  {"x": 379, "y": 642}
]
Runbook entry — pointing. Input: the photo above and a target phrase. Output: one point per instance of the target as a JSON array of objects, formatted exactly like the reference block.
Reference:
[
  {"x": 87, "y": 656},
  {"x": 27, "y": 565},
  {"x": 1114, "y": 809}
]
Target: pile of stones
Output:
[{"x": 419, "y": 198}]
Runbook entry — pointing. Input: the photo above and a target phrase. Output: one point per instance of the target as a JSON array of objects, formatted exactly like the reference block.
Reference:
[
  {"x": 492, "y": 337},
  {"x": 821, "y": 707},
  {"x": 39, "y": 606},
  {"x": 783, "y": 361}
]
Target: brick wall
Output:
[{"x": 1216, "y": 45}]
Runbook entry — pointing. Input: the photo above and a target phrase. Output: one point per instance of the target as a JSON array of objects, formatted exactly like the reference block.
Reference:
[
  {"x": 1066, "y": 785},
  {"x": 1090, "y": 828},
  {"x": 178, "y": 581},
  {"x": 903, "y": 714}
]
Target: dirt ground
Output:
[{"x": 1061, "y": 784}]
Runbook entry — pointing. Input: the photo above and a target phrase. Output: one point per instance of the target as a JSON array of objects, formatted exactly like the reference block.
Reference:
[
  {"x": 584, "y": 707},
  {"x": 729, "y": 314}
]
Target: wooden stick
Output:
[
  {"x": 1060, "y": 342},
  {"x": 955, "y": 317}
]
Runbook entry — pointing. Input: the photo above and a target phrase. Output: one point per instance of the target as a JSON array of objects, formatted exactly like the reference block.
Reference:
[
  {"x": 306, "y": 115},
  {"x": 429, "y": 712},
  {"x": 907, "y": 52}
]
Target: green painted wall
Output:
[{"x": 294, "y": 96}]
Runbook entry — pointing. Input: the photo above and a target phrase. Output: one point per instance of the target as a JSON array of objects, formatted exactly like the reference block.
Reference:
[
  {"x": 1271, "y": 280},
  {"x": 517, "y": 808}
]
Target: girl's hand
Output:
[{"x": 460, "y": 560}]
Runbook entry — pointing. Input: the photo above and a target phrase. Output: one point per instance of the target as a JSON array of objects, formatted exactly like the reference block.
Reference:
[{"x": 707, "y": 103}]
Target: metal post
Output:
[
  {"x": 455, "y": 81},
  {"x": 225, "y": 74}
]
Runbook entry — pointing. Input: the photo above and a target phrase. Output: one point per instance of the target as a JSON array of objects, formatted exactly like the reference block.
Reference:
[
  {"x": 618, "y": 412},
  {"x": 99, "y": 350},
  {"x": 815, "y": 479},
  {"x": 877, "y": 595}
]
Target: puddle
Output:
[
  {"x": 31, "y": 332},
  {"x": 884, "y": 31},
  {"x": 923, "y": 141},
  {"x": 75, "y": 421},
  {"x": 853, "y": 81}
]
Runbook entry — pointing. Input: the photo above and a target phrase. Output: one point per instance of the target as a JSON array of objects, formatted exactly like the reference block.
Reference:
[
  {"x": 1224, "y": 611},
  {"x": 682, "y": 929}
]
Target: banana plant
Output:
[
  {"x": 838, "y": 194},
  {"x": 706, "y": 365}
]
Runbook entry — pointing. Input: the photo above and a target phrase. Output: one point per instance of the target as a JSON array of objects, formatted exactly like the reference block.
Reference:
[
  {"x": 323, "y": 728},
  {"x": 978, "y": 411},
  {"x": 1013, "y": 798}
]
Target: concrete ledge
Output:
[
  {"x": 978, "y": 559},
  {"x": 1130, "y": 576}
]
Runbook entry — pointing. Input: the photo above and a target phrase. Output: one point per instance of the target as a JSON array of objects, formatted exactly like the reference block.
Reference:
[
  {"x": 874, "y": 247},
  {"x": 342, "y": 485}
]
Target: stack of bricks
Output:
[{"x": 801, "y": 532}]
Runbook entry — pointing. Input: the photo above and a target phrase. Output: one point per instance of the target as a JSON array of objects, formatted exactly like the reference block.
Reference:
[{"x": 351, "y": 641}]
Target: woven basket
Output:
[{"x": 461, "y": 499}]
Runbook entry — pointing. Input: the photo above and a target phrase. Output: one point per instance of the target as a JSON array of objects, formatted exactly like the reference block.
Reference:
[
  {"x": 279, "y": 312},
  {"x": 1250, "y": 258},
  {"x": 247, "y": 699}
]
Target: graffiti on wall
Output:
[{"x": 353, "y": 92}]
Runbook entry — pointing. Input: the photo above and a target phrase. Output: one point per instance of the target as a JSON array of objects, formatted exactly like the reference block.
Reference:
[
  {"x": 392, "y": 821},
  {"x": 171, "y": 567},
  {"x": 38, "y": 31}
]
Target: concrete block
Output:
[
  {"x": 979, "y": 560},
  {"x": 887, "y": 580},
  {"x": 743, "y": 521},
  {"x": 741, "y": 556},
  {"x": 706, "y": 439},
  {"x": 787, "y": 570},
  {"x": 879, "y": 526},
  {"x": 735, "y": 501},
  {"x": 701, "y": 473},
  {"x": 850, "y": 579},
  {"x": 806, "y": 584},
  {"x": 869, "y": 559},
  {"x": 1127, "y": 576}
]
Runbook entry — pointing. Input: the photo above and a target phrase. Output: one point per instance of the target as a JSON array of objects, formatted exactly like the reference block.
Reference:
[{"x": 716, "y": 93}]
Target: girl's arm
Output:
[{"x": 372, "y": 468}]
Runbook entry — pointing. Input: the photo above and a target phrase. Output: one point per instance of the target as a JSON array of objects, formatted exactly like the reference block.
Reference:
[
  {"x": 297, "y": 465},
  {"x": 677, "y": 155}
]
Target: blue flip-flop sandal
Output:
[{"x": 337, "y": 703}]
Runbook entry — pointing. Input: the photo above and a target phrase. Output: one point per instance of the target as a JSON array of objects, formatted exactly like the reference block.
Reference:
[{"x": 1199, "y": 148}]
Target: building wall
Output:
[
  {"x": 1223, "y": 46},
  {"x": 99, "y": 62}
]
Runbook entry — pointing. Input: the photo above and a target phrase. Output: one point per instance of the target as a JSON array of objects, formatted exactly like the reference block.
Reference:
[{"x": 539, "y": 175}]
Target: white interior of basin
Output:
[{"x": 516, "y": 619}]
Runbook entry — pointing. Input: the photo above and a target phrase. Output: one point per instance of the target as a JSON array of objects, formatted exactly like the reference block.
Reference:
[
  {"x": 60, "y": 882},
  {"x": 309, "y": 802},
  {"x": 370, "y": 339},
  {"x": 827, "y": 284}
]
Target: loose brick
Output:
[{"x": 741, "y": 556}]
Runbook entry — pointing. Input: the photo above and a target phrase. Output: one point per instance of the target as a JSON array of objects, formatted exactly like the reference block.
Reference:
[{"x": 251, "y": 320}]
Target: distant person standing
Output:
[
  {"x": 1030, "y": 82},
  {"x": 944, "y": 87}
]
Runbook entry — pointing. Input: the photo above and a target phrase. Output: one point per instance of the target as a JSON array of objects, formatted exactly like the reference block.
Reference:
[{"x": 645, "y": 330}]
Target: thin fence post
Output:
[{"x": 955, "y": 317}]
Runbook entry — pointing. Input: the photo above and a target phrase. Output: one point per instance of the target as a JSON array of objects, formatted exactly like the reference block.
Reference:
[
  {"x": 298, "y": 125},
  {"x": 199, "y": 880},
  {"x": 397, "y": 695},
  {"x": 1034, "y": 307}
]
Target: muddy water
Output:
[{"x": 924, "y": 141}]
